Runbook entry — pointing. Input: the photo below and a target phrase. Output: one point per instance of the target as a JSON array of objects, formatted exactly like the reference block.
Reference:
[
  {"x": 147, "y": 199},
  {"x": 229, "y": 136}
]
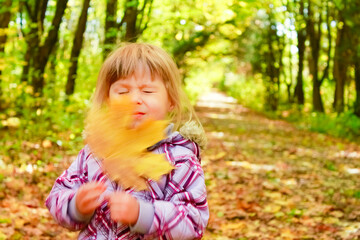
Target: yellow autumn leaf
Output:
[{"x": 124, "y": 148}]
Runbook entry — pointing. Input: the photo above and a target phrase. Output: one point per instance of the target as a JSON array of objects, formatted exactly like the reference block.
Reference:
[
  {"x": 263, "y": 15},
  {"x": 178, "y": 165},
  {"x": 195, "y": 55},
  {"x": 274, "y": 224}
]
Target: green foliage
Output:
[
  {"x": 53, "y": 117},
  {"x": 357, "y": 194},
  {"x": 345, "y": 125},
  {"x": 200, "y": 81},
  {"x": 249, "y": 92}
]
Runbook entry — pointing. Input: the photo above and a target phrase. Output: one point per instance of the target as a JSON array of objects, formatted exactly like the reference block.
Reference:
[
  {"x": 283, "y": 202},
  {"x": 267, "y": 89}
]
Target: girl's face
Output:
[{"x": 148, "y": 94}]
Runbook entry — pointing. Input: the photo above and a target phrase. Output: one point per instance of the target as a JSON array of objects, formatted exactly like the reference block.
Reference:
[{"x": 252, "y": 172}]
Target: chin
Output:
[{"x": 136, "y": 123}]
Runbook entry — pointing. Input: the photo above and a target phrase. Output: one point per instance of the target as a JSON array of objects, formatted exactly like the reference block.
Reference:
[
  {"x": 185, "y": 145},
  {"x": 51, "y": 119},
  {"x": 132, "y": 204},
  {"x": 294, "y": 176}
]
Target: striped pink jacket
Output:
[{"x": 173, "y": 208}]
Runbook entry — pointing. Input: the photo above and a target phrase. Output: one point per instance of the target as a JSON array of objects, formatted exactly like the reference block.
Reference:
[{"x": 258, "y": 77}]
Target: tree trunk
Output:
[
  {"x": 76, "y": 48},
  {"x": 290, "y": 83},
  {"x": 4, "y": 22},
  {"x": 340, "y": 68},
  {"x": 315, "y": 37},
  {"x": 299, "y": 90},
  {"x": 289, "y": 80},
  {"x": 328, "y": 26},
  {"x": 130, "y": 17},
  {"x": 41, "y": 56},
  {"x": 110, "y": 27},
  {"x": 32, "y": 40},
  {"x": 36, "y": 13},
  {"x": 133, "y": 19},
  {"x": 301, "y": 37},
  {"x": 52, "y": 66},
  {"x": 317, "y": 101},
  {"x": 279, "y": 58},
  {"x": 357, "y": 85},
  {"x": 272, "y": 73}
]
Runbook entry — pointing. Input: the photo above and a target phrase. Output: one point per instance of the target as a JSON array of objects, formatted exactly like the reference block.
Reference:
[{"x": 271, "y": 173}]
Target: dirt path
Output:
[{"x": 268, "y": 180}]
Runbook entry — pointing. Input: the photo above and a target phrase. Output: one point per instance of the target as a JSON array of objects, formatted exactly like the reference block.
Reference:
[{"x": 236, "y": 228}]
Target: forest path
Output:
[{"x": 268, "y": 180}]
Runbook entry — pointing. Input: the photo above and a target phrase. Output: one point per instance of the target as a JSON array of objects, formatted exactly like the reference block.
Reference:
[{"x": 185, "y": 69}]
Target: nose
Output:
[{"x": 135, "y": 97}]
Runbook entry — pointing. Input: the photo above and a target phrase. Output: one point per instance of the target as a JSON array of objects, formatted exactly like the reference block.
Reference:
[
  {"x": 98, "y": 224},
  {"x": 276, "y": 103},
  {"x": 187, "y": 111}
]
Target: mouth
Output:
[{"x": 138, "y": 115}]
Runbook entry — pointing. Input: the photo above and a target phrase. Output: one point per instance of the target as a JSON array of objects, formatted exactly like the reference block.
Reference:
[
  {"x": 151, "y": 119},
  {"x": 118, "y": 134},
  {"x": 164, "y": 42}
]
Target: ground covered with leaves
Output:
[
  {"x": 265, "y": 180},
  {"x": 268, "y": 180}
]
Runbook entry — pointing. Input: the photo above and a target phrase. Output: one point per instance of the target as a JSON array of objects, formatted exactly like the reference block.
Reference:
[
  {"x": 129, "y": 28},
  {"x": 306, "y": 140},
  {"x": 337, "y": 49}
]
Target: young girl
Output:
[{"x": 84, "y": 198}]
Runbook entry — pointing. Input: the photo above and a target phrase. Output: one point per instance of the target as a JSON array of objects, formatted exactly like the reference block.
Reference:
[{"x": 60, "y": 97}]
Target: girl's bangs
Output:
[{"x": 129, "y": 62}]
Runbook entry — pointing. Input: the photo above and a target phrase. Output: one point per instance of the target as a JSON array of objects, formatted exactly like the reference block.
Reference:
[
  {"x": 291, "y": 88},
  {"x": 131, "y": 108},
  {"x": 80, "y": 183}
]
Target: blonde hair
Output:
[{"x": 126, "y": 59}]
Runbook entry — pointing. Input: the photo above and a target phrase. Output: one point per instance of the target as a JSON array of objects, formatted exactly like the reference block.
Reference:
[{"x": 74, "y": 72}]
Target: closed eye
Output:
[{"x": 148, "y": 91}]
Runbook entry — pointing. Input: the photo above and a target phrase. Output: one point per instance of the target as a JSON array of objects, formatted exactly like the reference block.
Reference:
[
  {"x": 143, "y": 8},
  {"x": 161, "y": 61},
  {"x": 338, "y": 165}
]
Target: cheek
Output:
[
  {"x": 113, "y": 96},
  {"x": 111, "y": 93},
  {"x": 160, "y": 110}
]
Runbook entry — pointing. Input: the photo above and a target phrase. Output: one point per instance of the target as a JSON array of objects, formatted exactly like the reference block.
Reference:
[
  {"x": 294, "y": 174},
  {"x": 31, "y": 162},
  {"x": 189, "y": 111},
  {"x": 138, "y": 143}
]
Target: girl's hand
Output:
[
  {"x": 87, "y": 197},
  {"x": 124, "y": 208}
]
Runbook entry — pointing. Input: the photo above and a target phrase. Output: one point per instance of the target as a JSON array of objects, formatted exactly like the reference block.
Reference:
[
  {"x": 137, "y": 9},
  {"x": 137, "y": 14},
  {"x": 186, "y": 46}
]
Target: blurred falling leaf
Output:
[{"x": 124, "y": 148}]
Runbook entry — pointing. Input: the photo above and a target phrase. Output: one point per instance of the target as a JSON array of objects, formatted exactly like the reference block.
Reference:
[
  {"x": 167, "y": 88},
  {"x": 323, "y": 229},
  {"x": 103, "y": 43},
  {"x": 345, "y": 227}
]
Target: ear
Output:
[{"x": 171, "y": 106}]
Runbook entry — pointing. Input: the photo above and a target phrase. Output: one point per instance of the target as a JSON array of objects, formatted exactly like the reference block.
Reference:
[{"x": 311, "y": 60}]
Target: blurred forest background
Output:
[{"x": 297, "y": 60}]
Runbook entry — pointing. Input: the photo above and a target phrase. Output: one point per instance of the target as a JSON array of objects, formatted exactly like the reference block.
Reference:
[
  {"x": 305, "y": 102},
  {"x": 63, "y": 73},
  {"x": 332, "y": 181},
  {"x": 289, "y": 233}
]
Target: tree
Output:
[
  {"x": 289, "y": 80},
  {"x": 133, "y": 23},
  {"x": 314, "y": 33},
  {"x": 110, "y": 26},
  {"x": 357, "y": 82},
  {"x": 135, "y": 19},
  {"x": 197, "y": 39},
  {"x": 341, "y": 64},
  {"x": 301, "y": 38},
  {"x": 352, "y": 19},
  {"x": 38, "y": 53},
  {"x": 273, "y": 56},
  {"x": 329, "y": 37},
  {"x": 36, "y": 14},
  {"x": 41, "y": 56},
  {"x": 5, "y": 15},
  {"x": 76, "y": 48}
]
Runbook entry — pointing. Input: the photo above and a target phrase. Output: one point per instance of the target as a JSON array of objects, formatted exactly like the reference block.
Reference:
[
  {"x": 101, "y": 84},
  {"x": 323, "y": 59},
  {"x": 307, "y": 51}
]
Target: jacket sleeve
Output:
[
  {"x": 184, "y": 213},
  {"x": 64, "y": 190}
]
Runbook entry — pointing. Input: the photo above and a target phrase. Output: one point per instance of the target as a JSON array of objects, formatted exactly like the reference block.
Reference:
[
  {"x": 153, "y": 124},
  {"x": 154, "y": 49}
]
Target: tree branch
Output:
[{"x": 148, "y": 17}]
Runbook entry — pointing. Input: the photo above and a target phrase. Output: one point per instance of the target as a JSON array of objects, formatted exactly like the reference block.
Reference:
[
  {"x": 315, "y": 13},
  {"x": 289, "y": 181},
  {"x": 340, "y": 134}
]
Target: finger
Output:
[
  {"x": 92, "y": 196},
  {"x": 86, "y": 189},
  {"x": 101, "y": 186},
  {"x": 90, "y": 199},
  {"x": 96, "y": 185},
  {"x": 92, "y": 206}
]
